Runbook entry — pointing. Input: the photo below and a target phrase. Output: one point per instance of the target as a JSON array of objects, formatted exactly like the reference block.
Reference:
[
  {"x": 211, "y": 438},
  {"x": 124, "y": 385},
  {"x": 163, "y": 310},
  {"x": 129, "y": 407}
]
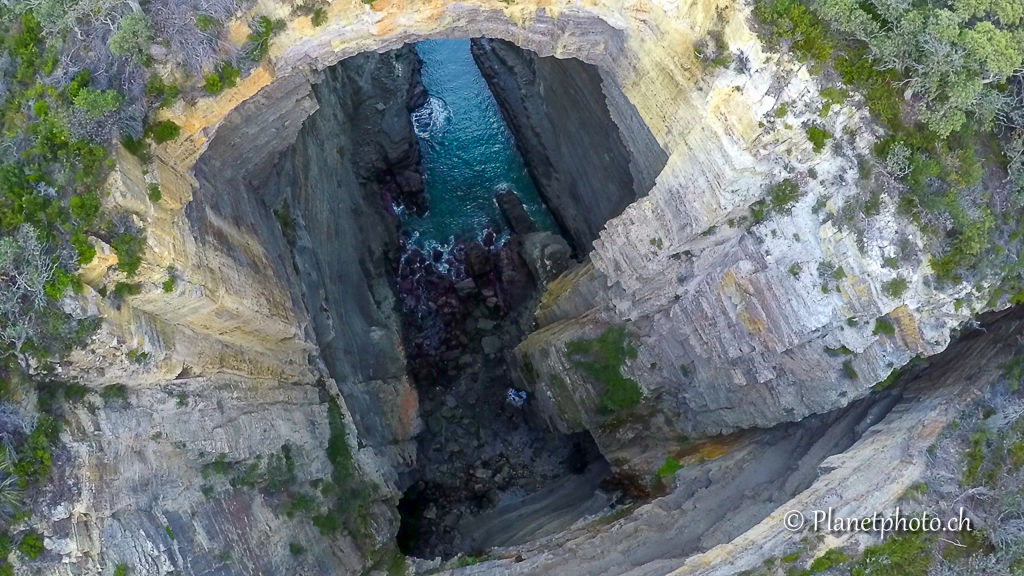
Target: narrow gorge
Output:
[{"x": 516, "y": 288}]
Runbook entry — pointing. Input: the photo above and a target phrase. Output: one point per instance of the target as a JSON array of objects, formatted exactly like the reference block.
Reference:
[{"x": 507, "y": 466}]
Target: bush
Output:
[
  {"x": 212, "y": 84},
  {"x": 883, "y": 326},
  {"x": 905, "y": 555},
  {"x": 125, "y": 289},
  {"x": 129, "y": 248},
  {"x": 34, "y": 457},
  {"x": 780, "y": 198},
  {"x": 133, "y": 36},
  {"x": 319, "y": 17},
  {"x": 831, "y": 558},
  {"x": 206, "y": 23},
  {"x": 669, "y": 468},
  {"x": 153, "y": 192},
  {"x": 96, "y": 103},
  {"x": 817, "y": 136},
  {"x": 163, "y": 131},
  {"x": 791, "y": 19},
  {"x": 166, "y": 93},
  {"x": 895, "y": 287},
  {"x": 121, "y": 570},
  {"x": 31, "y": 545},
  {"x": 263, "y": 28}
]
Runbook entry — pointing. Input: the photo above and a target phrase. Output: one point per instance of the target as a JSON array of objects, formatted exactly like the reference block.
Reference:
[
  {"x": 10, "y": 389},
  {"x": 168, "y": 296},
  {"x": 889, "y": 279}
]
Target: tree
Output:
[
  {"x": 31, "y": 276},
  {"x": 96, "y": 103},
  {"x": 133, "y": 36}
]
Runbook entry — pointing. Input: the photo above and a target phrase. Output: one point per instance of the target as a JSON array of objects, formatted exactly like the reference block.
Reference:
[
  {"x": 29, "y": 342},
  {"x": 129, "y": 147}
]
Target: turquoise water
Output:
[{"x": 467, "y": 152}]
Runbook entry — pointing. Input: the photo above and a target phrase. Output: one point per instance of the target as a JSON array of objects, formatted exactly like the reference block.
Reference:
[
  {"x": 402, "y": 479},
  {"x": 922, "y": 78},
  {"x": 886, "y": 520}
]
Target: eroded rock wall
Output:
[
  {"x": 330, "y": 193},
  {"x": 725, "y": 514},
  {"x": 280, "y": 243},
  {"x": 575, "y": 151}
]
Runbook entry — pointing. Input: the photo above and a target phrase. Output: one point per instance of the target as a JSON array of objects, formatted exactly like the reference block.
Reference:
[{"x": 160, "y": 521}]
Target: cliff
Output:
[
  {"x": 277, "y": 238},
  {"x": 282, "y": 303},
  {"x": 572, "y": 147}
]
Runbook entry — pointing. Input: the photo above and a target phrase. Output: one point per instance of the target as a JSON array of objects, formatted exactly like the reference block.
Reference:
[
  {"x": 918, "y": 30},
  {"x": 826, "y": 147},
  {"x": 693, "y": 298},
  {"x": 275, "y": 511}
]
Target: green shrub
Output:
[
  {"x": 791, "y": 19},
  {"x": 137, "y": 148},
  {"x": 129, "y": 248},
  {"x": 602, "y": 359},
  {"x": 133, "y": 36},
  {"x": 212, "y": 83},
  {"x": 831, "y": 97},
  {"x": 884, "y": 326},
  {"x": 905, "y": 555},
  {"x": 80, "y": 81},
  {"x": 817, "y": 136},
  {"x": 96, "y": 103},
  {"x": 783, "y": 194},
  {"x": 669, "y": 468},
  {"x": 206, "y": 23},
  {"x": 780, "y": 111},
  {"x": 121, "y": 570},
  {"x": 168, "y": 285},
  {"x": 895, "y": 287},
  {"x": 34, "y": 457},
  {"x": 124, "y": 289},
  {"x": 166, "y": 93},
  {"x": 831, "y": 558},
  {"x": 795, "y": 269},
  {"x": 319, "y": 17},
  {"x": 259, "y": 39},
  {"x": 163, "y": 131},
  {"x": 114, "y": 393},
  {"x": 780, "y": 198},
  {"x": 296, "y": 549},
  {"x": 153, "y": 192},
  {"x": 84, "y": 207},
  {"x": 31, "y": 545},
  {"x": 791, "y": 557},
  {"x": 229, "y": 74}
]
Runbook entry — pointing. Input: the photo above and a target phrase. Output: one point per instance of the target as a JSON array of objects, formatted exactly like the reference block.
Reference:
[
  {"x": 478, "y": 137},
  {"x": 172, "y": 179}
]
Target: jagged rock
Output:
[
  {"x": 491, "y": 344},
  {"x": 547, "y": 255},
  {"x": 512, "y": 208}
]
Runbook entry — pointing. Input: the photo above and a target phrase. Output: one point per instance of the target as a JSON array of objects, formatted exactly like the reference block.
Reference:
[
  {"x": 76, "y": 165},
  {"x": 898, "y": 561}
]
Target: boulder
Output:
[{"x": 547, "y": 255}]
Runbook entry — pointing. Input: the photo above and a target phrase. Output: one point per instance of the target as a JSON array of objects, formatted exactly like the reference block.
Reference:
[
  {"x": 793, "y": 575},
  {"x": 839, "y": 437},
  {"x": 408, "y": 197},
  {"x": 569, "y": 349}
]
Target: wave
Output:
[{"x": 432, "y": 118}]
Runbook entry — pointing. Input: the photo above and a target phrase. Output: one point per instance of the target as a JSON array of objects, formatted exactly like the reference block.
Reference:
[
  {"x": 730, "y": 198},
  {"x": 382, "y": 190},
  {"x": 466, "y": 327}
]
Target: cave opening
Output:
[{"x": 429, "y": 196}]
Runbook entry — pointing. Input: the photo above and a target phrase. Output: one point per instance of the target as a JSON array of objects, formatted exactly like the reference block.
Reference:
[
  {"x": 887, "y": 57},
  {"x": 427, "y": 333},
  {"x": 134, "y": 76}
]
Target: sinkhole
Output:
[{"x": 430, "y": 194}]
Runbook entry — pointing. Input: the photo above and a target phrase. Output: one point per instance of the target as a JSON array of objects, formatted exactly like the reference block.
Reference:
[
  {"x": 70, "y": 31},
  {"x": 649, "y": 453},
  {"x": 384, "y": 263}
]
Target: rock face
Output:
[
  {"x": 354, "y": 156},
  {"x": 725, "y": 515},
  {"x": 736, "y": 324},
  {"x": 283, "y": 300},
  {"x": 572, "y": 146}
]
